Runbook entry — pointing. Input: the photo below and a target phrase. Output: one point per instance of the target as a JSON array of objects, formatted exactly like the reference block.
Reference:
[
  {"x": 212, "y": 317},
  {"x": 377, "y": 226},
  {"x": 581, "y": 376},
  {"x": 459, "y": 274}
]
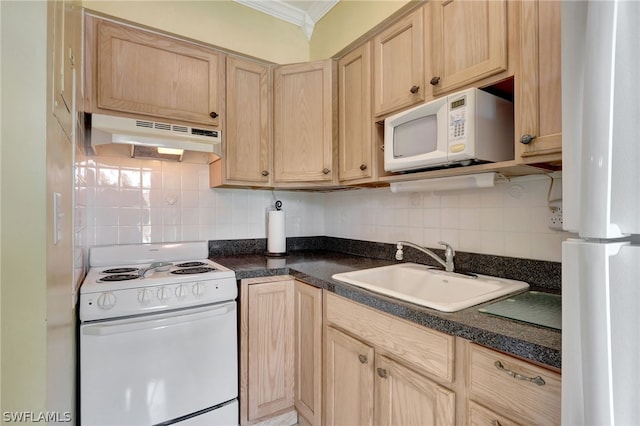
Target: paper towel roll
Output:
[{"x": 276, "y": 241}]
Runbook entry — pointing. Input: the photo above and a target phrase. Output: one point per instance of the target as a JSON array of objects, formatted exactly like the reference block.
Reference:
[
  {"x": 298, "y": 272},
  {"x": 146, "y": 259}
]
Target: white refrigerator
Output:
[{"x": 601, "y": 207}]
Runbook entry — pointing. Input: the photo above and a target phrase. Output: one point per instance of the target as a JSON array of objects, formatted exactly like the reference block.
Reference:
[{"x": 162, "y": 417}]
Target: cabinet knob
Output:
[
  {"x": 265, "y": 173},
  {"x": 363, "y": 358},
  {"x": 526, "y": 139},
  {"x": 363, "y": 167},
  {"x": 325, "y": 171},
  {"x": 434, "y": 81},
  {"x": 213, "y": 114},
  {"x": 382, "y": 372},
  {"x": 414, "y": 89}
]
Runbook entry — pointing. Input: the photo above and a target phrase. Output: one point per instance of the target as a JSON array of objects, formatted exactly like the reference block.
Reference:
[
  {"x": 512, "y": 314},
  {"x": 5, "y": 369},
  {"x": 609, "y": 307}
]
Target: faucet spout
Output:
[{"x": 449, "y": 253}]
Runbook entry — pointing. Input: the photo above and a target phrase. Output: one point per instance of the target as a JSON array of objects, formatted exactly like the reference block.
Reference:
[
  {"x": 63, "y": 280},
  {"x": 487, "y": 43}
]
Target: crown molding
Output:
[{"x": 306, "y": 20}]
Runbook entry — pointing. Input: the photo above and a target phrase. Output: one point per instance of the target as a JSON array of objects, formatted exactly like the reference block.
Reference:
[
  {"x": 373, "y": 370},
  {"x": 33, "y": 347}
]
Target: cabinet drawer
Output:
[
  {"x": 514, "y": 388},
  {"x": 427, "y": 350},
  {"x": 481, "y": 416}
]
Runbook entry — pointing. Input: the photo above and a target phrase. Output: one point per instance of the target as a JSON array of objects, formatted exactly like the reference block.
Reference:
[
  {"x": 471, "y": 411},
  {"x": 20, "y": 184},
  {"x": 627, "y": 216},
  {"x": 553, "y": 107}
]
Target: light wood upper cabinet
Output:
[
  {"x": 399, "y": 53},
  {"x": 266, "y": 348},
  {"x": 469, "y": 42},
  {"x": 247, "y": 145},
  {"x": 305, "y": 123},
  {"x": 538, "y": 100},
  {"x": 356, "y": 139},
  {"x": 308, "y": 352},
  {"x": 139, "y": 72}
]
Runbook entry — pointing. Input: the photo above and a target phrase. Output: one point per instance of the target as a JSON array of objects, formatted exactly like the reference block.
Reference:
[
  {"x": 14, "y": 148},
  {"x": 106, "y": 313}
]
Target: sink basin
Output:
[{"x": 432, "y": 288}]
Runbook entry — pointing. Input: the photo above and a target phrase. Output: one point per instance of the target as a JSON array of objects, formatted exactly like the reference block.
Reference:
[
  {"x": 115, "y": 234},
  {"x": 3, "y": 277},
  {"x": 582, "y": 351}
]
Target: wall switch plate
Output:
[
  {"x": 555, "y": 217},
  {"x": 57, "y": 217}
]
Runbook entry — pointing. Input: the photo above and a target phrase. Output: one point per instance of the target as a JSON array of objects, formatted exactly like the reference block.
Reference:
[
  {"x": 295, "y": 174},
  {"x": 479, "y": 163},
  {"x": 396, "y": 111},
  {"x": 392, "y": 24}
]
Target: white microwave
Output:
[{"x": 468, "y": 127}]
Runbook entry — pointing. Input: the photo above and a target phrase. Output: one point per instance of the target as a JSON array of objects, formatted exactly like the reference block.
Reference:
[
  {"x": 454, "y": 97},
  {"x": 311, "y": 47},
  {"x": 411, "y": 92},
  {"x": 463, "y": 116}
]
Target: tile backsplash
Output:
[{"x": 123, "y": 200}]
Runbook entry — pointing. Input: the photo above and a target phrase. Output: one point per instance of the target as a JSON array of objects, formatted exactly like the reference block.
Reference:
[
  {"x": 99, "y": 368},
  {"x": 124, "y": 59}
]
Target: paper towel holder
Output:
[{"x": 283, "y": 253}]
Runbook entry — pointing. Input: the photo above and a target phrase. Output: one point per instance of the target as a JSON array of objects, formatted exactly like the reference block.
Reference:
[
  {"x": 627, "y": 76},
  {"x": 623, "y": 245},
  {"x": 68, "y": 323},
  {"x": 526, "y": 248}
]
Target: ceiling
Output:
[{"x": 303, "y": 13}]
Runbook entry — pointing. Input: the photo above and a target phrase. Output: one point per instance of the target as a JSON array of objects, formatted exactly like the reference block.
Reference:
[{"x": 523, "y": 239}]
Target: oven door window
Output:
[
  {"x": 156, "y": 368},
  {"x": 416, "y": 137}
]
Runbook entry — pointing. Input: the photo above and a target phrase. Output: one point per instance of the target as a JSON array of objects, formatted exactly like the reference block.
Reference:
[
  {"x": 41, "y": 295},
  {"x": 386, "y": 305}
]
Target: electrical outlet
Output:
[{"x": 555, "y": 216}]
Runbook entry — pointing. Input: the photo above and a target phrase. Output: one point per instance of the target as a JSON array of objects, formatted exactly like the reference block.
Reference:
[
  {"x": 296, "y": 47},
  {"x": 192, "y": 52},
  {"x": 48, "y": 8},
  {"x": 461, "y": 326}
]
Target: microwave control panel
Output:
[{"x": 457, "y": 119}]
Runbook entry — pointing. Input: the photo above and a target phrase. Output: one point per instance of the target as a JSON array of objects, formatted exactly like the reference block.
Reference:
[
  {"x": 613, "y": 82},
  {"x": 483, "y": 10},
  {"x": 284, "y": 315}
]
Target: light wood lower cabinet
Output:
[
  {"x": 373, "y": 379},
  {"x": 280, "y": 351},
  {"x": 513, "y": 390},
  {"x": 266, "y": 348},
  {"x": 405, "y": 397},
  {"x": 348, "y": 385},
  {"x": 308, "y": 352}
]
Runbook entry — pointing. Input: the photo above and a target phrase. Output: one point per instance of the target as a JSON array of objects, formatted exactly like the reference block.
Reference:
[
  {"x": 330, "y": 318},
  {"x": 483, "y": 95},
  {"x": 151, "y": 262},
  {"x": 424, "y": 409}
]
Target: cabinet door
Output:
[
  {"x": 67, "y": 28},
  {"x": 348, "y": 380},
  {"x": 270, "y": 348},
  {"x": 399, "y": 64},
  {"x": 538, "y": 86},
  {"x": 308, "y": 352},
  {"x": 356, "y": 116},
  {"x": 141, "y": 72},
  {"x": 404, "y": 397},
  {"x": 304, "y": 122},
  {"x": 469, "y": 42},
  {"x": 247, "y": 155},
  {"x": 480, "y": 416}
]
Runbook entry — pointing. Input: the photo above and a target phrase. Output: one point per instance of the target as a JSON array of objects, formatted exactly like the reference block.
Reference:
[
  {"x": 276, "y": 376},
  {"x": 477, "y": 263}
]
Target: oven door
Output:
[{"x": 159, "y": 368}]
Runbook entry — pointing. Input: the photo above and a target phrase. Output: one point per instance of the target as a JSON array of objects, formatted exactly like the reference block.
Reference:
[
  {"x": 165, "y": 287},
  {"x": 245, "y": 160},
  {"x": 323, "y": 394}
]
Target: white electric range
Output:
[{"x": 158, "y": 337}]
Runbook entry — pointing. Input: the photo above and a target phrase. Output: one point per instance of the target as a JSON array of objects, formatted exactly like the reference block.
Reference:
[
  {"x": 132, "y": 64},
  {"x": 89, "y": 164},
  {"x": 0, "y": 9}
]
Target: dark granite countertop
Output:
[{"x": 315, "y": 267}]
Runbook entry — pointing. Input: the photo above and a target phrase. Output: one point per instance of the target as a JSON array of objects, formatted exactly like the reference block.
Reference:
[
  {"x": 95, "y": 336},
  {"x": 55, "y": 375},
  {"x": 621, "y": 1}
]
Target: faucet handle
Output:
[{"x": 449, "y": 252}]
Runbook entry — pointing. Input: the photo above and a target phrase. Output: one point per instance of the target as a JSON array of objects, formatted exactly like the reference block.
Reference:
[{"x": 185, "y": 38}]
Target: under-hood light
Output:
[
  {"x": 170, "y": 151},
  {"x": 156, "y": 153}
]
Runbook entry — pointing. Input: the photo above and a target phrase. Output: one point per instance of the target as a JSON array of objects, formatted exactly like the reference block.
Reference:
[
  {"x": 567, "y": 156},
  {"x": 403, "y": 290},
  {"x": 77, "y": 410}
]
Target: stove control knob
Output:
[
  {"x": 144, "y": 296},
  {"x": 198, "y": 289},
  {"x": 163, "y": 294},
  {"x": 181, "y": 292},
  {"x": 106, "y": 300}
]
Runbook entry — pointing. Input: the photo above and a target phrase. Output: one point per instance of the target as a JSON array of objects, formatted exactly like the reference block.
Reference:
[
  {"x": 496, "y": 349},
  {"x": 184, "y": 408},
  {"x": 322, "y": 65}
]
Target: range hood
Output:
[{"x": 147, "y": 137}]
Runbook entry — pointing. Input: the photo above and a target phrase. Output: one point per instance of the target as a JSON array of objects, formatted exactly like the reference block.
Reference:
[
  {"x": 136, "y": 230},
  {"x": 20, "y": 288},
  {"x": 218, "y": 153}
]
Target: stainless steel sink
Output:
[{"x": 432, "y": 288}]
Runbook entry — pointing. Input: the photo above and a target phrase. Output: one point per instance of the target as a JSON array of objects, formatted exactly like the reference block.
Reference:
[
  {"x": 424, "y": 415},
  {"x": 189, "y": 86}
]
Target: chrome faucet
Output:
[{"x": 449, "y": 253}]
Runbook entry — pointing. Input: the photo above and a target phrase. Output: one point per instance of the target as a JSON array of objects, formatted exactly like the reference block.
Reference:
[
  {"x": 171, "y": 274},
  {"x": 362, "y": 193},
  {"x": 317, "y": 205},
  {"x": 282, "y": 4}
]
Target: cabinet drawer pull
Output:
[
  {"x": 414, "y": 89},
  {"x": 265, "y": 173},
  {"x": 325, "y": 171},
  {"x": 527, "y": 139},
  {"x": 382, "y": 372},
  {"x": 363, "y": 358},
  {"x": 537, "y": 380},
  {"x": 434, "y": 81},
  {"x": 213, "y": 114},
  {"x": 363, "y": 167}
]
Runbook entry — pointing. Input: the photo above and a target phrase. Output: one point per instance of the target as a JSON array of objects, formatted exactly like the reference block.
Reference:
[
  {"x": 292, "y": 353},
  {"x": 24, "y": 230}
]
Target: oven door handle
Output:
[{"x": 156, "y": 322}]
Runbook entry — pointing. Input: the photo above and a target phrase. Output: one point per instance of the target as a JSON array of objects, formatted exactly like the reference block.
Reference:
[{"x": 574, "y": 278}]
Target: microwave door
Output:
[{"x": 417, "y": 138}]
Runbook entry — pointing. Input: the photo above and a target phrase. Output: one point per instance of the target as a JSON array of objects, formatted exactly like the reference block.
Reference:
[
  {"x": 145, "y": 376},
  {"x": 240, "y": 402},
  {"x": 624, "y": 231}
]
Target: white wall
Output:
[
  {"x": 24, "y": 205},
  {"x": 140, "y": 201}
]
